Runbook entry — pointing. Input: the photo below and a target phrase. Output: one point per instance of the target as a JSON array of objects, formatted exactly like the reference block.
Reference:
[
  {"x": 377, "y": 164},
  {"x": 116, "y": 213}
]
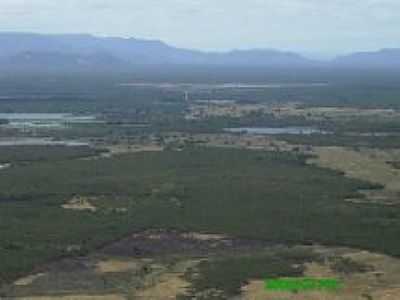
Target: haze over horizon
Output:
[{"x": 312, "y": 28}]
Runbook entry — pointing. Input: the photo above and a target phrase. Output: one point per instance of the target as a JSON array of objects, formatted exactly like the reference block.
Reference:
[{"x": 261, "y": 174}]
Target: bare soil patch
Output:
[
  {"x": 117, "y": 266},
  {"x": 124, "y": 148},
  {"x": 28, "y": 280},
  {"x": 79, "y": 203}
]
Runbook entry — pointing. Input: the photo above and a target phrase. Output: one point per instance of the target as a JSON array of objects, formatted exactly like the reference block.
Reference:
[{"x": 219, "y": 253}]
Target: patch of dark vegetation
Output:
[{"x": 44, "y": 153}]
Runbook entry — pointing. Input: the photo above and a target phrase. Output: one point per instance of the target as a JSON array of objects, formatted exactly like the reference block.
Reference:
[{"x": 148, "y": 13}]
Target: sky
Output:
[{"x": 314, "y": 27}]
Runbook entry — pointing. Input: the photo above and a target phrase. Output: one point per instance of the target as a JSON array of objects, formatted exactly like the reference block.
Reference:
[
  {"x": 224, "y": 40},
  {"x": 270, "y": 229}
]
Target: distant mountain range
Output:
[
  {"x": 389, "y": 58},
  {"x": 30, "y": 51}
]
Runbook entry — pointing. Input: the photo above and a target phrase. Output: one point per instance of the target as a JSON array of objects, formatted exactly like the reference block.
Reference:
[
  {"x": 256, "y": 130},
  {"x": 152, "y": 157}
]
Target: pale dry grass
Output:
[
  {"x": 370, "y": 165},
  {"x": 366, "y": 164},
  {"x": 381, "y": 283},
  {"x": 388, "y": 294}
]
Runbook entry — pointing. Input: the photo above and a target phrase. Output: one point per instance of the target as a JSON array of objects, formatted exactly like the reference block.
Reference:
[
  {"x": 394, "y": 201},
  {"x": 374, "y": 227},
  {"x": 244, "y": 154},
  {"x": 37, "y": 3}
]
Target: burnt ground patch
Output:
[{"x": 169, "y": 242}]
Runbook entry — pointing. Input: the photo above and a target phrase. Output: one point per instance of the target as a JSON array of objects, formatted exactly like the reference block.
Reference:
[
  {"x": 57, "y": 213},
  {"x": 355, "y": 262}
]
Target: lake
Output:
[
  {"x": 52, "y": 120},
  {"x": 28, "y": 141},
  {"x": 277, "y": 130},
  {"x": 4, "y": 166}
]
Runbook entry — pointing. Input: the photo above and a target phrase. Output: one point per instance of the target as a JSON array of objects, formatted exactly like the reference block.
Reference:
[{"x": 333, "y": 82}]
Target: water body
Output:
[
  {"x": 277, "y": 130},
  {"x": 168, "y": 85},
  {"x": 49, "y": 120},
  {"x": 4, "y": 166},
  {"x": 46, "y": 117},
  {"x": 34, "y": 116},
  {"x": 28, "y": 141}
]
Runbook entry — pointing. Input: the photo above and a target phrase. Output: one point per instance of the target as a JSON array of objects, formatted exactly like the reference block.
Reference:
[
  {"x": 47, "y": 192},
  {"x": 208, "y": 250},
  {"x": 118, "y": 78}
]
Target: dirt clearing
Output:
[
  {"x": 117, "y": 266},
  {"x": 132, "y": 148},
  {"x": 28, "y": 280}
]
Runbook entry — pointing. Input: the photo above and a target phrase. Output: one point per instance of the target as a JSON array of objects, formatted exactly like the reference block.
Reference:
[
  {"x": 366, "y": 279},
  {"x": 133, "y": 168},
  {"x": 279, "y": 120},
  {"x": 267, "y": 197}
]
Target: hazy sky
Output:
[{"x": 315, "y": 26}]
